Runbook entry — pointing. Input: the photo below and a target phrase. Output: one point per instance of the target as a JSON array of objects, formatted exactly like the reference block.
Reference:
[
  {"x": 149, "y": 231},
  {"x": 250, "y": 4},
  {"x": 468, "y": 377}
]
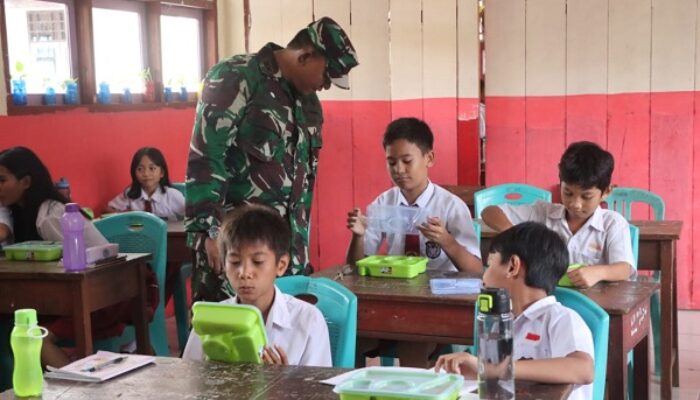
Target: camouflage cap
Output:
[{"x": 330, "y": 39}]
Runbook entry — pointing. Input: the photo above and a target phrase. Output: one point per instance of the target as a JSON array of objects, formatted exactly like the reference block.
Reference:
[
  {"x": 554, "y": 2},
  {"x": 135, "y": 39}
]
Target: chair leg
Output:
[
  {"x": 656, "y": 329},
  {"x": 159, "y": 334},
  {"x": 182, "y": 309}
]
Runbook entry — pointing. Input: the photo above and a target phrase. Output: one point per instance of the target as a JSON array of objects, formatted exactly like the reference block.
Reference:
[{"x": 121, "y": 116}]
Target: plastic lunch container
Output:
[
  {"x": 392, "y": 383},
  {"x": 565, "y": 281},
  {"x": 392, "y": 266},
  {"x": 34, "y": 250},
  {"x": 455, "y": 285},
  {"x": 230, "y": 332},
  {"x": 395, "y": 219}
]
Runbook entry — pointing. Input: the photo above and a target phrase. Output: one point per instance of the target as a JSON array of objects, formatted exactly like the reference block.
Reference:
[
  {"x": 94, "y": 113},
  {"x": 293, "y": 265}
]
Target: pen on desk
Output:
[{"x": 101, "y": 365}]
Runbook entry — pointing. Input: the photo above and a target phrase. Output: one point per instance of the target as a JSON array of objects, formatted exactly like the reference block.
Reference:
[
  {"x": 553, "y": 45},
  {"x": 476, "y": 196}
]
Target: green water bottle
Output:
[{"x": 26, "y": 338}]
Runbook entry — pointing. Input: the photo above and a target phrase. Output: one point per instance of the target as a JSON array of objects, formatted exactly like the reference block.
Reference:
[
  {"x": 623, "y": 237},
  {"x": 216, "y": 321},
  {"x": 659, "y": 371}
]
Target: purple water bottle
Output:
[{"x": 72, "y": 223}]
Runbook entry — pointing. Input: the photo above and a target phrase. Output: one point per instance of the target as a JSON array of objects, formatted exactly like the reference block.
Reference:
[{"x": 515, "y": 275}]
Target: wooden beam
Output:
[{"x": 86, "y": 57}]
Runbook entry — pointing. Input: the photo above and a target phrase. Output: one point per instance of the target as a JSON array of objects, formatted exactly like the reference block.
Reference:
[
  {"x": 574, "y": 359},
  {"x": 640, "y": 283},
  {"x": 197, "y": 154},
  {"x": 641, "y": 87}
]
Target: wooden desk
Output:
[
  {"x": 178, "y": 252},
  {"x": 627, "y": 304},
  {"x": 46, "y": 287},
  {"x": 657, "y": 252},
  {"x": 405, "y": 309},
  {"x": 174, "y": 378}
]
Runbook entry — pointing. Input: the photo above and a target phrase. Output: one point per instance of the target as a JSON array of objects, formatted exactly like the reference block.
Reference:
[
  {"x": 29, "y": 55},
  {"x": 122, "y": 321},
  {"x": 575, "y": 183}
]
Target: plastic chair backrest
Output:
[
  {"x": 598, "y": 322},
  {"x": 338, "y": 306},
  {"x": 634, "y": 235},
  {"x": 508, "y": 193},
  {"x": 477, "y": 231},
  {"x": 179, "y": 186},
  {"x": 142, "y": 232},
  {"x": 621, "y": 200}
]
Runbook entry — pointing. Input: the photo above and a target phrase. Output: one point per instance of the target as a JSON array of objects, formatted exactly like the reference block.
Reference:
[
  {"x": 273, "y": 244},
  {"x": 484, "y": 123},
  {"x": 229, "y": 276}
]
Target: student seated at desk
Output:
[
  {"x": 551, "y": 343},
  {"x": 254, "y": 242},
  {"x": 36, "y": 207},
  {"x": 150, "y": 188},
  {"x": 597, "y": 238},
  {"x": 447, "y": 238}
]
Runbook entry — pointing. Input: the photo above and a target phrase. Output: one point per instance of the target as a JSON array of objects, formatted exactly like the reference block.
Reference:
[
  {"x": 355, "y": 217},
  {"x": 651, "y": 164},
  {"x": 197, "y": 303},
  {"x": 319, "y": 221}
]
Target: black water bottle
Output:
[{"x": 495, "y": 345}]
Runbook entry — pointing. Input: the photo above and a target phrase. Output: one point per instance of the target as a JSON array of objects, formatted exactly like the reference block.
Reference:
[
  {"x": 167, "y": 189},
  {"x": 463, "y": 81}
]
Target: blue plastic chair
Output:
[
  {"x": 179, "y": 186},
  {"x": 338, "y": 306},
  {"x": 140, "y": 232},
  {"x": 621, "y": 200},
  {"x": 598, "y": 322},
  {"x": 477, "y": 230},
  {"x": 508, "y": 193}
]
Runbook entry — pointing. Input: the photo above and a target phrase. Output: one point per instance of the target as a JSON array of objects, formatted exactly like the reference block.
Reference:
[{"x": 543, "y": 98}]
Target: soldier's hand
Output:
[
  {"x": 356, "y": 222},
  {"x": 213, "y": 257}
]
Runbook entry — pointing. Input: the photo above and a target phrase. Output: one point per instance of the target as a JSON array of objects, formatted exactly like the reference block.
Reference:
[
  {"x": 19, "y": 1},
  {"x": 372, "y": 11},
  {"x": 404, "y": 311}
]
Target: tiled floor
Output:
[{"x": 689, "y": 349}]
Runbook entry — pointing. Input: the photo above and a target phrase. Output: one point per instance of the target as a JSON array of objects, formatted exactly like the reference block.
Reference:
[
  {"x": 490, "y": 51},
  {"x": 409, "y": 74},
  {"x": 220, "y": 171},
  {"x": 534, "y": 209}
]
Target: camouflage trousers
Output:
[{"x": 206, "y": 284}]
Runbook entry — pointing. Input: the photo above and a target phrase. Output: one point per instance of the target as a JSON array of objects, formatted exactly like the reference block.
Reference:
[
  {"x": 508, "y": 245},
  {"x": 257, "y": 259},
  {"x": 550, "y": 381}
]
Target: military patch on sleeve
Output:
[{"x": 432, "y": 249}]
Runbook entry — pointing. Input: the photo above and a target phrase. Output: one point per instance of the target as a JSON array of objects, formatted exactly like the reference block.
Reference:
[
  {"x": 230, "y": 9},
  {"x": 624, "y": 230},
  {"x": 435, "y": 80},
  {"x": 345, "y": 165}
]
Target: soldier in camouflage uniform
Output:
[{"x": 256, "y": 139}]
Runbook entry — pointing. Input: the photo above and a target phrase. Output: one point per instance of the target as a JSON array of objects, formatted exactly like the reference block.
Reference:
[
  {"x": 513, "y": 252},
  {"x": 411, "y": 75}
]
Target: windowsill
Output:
[{"x": 97, "y": 108}]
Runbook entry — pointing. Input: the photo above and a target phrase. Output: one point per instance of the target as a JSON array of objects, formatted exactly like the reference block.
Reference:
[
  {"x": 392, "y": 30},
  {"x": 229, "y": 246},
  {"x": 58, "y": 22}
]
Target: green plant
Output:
[
  {"x": 146, "y": 74},
  {"x": 68, "y": 81},
  {"x": 19, "y": 71}
]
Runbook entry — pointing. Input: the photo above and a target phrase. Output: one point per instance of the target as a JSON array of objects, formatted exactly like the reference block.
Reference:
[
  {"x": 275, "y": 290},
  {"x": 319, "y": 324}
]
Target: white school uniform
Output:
[
  {"x": 170, "y": 205},
  {"x": 6, "y": 219},
  {"x": 547, "y": 329},
  {"x": 295, "y": 325},
  {"x": 438, "y": 202},
  {"x": 603, "y": 239},
  {"x": 48, "y": 224}
]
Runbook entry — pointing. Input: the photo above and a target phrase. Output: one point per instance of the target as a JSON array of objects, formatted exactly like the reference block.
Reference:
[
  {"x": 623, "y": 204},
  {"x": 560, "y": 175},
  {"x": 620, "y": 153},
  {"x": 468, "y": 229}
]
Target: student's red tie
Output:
[
  {"x": 147, "y": 206},
  {"x": 411, "y": 243}
]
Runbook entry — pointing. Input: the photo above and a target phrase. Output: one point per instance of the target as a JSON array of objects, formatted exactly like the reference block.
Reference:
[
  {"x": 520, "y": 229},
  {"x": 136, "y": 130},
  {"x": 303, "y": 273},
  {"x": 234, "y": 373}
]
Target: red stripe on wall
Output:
[
  {"x": 586, "y": 118},
  {"x": 407, "y": 108},
  {"x": 544, "y": 137},
  {"x": 671, "y": 172},
  {"x": 505, "y": 140},
  {"x": 695, "y": 283},
  {"x": 441, "y": 115}
]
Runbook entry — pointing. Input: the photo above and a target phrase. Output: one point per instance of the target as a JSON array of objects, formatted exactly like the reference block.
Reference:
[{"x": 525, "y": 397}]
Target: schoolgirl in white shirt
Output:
[{"x": 150, "y": 188}]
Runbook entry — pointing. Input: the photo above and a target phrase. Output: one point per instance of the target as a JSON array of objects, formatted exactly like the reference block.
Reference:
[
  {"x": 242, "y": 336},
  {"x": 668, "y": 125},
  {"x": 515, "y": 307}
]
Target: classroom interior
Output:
[{"x": 621, "y": 73}]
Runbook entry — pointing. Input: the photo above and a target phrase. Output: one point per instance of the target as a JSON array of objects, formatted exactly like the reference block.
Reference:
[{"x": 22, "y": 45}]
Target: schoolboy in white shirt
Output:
[
  {"x": 595, "y": 237},
  {"x": 447, "y": 238},
  {"x": 551, "y": 343},
  {"x": 254, "y": 243}
]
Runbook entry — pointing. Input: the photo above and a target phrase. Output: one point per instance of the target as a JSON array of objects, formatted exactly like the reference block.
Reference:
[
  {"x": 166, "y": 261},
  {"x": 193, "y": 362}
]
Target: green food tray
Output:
[
  {"x": 394, "y": 384},
  {"x": 565, "y": 281},
  {"x": 34, "y": 250},
  {"x": 392, "y": 266},
  {"x": 230, "y": 332}
]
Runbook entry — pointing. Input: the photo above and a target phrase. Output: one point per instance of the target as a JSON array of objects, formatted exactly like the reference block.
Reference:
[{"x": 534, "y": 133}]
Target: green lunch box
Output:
[
  {"x": 394, "y": 383},
  {"x": 34, "y": 250},
  {"x": 565, "y": 281},
  {"x": 392, "y": 266},
  {"x": 230, "y": 332}
]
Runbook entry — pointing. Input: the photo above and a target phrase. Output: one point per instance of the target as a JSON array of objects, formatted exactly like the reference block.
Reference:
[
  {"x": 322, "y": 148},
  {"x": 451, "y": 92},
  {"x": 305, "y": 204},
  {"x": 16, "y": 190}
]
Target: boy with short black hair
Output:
[
  {"x": 447, "y": 238},
  {"x": 254, "y": 244},
  {"x": 595, "y": 237},
  {"x": 551, "y": 343}
]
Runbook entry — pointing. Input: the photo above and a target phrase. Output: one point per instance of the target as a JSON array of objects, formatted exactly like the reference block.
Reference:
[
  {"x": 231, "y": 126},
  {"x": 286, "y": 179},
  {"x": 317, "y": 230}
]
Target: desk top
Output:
[
  {"x": 409, "y": 290},
  {"x": 174, "y": 378},
  {"x": 12, "y": 269},
  {"x": 176, "y": 228},
  {"x": 620, "y": 297},
  {"x": 648, "y": 230}
]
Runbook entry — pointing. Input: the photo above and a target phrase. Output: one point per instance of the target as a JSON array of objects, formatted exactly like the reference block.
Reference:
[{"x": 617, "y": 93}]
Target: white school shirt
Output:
[
  {"x": 48, "y": 224},
  {"x": 547, "y": 329},
  {"x": 170, "y": 205},
  {"x": 603, "y": 239},
  {"x": 438, "y": 202},
  {"x": 6, "y": 219},
  {"x": 295, "y": 325}
]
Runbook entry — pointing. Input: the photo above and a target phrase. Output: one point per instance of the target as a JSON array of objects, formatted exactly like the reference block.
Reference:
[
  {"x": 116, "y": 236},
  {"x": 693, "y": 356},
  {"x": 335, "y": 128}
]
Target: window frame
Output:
[{"x": 82, "y": 53}]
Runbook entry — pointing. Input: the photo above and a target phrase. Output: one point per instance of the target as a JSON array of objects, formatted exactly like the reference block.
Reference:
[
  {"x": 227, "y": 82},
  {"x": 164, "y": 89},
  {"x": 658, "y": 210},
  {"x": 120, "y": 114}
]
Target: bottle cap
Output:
[
  {"x": 72, "y": 207},
  {"x": 25, "y": 317},
  {"x": 62, "y": 184},
  {"x": 494, "y": 301}
]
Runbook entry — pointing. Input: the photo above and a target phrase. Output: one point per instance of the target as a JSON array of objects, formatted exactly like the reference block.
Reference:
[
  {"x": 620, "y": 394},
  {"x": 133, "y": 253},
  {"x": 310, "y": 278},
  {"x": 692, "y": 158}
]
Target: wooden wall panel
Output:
[
  {"x": 695, "y": 277},
  {"x": 545, "y": 84},
  {"x": 296, "y": 14},
  {"x": 406, "y": 59},
  {"x": 586, "y": 70},
  {"x": 505, "y": 91},
  {"x": 467, "y": 59},
  {"x": 266, "y": 23},
  {"x": 440, "y": 85},
  {"x": 672, "y": 108},
  {"x": 230, "y": 28}
]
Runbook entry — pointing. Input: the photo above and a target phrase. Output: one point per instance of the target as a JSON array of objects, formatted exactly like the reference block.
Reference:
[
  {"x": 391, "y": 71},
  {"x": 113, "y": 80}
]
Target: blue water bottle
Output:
[
  {"x": 104, "y": 96},
  {"x": 26, "y": 339},
  {"x": 72, "y": 224}
]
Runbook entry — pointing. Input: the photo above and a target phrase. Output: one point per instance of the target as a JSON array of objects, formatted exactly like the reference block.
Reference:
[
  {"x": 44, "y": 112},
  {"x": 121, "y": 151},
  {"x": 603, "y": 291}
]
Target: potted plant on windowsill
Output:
[
  {"x": 19, "y": 86},
  {"x": 149, "y": 93},
  {"x": 70, "y": 87}
]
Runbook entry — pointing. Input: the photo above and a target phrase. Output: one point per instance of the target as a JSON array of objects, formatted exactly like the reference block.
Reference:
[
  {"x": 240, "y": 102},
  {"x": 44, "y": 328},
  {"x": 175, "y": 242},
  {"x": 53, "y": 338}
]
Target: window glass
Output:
[
  {"x": 181, "y": 52},
  {"x": 118, "y": 51},
  {"x": 38, "y": 43}
]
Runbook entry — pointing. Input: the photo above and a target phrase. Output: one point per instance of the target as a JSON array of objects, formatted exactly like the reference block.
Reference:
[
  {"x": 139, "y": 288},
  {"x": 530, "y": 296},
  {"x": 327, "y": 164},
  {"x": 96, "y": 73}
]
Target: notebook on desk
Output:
[{"x": 99, "y": 367}]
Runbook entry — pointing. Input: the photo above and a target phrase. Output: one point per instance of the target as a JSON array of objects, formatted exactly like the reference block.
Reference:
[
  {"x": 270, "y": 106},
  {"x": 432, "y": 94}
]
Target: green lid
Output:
[{"x": 25, "y": 317}]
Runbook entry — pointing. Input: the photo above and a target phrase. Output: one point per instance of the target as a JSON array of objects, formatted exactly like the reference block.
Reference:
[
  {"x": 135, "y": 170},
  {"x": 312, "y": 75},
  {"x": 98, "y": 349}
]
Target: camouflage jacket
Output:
[{"x": 255, "y": 140}]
